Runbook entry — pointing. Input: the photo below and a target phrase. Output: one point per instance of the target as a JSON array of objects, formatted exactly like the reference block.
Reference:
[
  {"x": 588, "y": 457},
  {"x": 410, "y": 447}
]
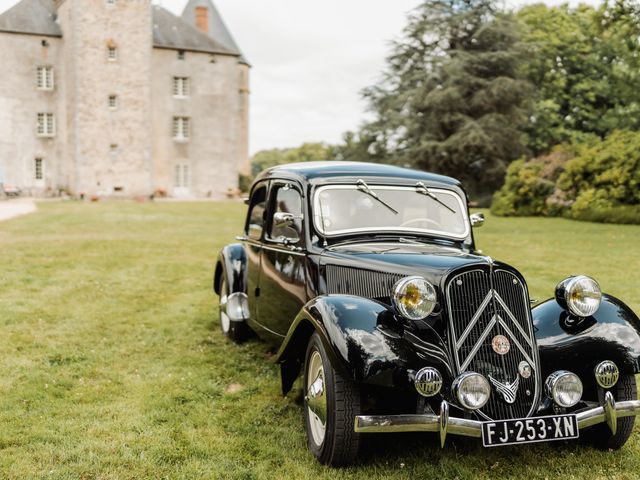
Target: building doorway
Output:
[{"x": 181, "y": 180}]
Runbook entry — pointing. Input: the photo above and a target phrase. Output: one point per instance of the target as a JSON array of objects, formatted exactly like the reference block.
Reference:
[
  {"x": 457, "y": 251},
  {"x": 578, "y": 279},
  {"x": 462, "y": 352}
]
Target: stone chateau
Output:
[{"x": 121, "y": 98}]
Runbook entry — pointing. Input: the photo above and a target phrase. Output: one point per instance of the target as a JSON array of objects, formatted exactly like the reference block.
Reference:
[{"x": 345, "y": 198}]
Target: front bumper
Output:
[{"x": 608, "y": 412}]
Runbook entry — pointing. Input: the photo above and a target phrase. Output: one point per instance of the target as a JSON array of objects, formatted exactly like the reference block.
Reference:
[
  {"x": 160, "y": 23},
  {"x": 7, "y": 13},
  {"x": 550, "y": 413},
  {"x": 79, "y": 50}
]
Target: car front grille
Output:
[{"x": 482, "y": 305}]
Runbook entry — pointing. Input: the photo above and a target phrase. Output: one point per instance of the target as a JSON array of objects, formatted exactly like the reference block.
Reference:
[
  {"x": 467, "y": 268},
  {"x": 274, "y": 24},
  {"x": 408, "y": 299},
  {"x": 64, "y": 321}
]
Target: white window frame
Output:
[
  {"x": 112, "y": 53},
  {"x": 181, "y": 178},
  {"x": 46, "y": 124},
  {"x": 181, "y": 130},
  {"x": 181, "y": 87},
  {"x": 39, "y": 171},
  {"x": 112, "y": 102},
  {"x": 44, "y": 77}
]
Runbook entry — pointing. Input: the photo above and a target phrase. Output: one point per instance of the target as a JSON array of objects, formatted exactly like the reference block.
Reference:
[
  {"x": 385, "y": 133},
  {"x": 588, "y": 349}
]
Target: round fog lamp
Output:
[
  {"x": 607, "y": 374},
  {"x": 565, "y": 388},
  {"x": 414, "y": 298},
  {"x": 428, "y": 381},
  {"x": 581, "y": 295},
  {"x": 472, "y": 390}
]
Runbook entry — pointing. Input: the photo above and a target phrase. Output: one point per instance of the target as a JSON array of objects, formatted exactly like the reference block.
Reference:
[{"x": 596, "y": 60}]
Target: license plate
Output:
[{"x": 529, "y": 430}]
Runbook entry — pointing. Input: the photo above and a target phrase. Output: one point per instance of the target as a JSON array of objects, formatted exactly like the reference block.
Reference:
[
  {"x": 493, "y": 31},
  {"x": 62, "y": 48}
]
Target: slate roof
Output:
[
  {"x": 36, "y": 17},
  {"x": 170, "y": 31},
  {"x": 217, "y": 28}
]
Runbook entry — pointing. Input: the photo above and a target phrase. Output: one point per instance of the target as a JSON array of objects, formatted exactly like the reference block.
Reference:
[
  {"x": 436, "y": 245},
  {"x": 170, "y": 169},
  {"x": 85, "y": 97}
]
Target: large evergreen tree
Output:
[{"x": 451, "y": 100}]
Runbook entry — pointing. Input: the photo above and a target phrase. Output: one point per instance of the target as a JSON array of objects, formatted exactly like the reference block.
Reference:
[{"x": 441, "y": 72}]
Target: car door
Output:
[
  {"x": 282, "y": 280},
  {"x": 253, "y": 240}
]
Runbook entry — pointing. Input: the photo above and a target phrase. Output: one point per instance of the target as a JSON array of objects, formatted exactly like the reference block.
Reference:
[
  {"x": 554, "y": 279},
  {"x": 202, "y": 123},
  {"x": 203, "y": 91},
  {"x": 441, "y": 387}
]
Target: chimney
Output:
[{"x": 202, "y": 19}]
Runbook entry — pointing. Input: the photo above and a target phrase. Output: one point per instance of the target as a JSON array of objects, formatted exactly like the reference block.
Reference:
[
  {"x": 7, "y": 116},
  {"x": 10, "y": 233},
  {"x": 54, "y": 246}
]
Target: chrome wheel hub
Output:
[
  {"x": 225, "y": 323},
  {"x": 316, "y": 398}
]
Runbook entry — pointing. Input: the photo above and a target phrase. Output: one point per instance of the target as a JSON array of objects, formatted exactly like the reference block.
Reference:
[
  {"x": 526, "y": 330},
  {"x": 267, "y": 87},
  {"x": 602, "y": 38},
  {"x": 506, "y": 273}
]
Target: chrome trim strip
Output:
[
  {"x": 479, "y": 343},
  {"x": 514, "y": 340},
  {"x": 473, "y": 428},
  {"x": 474, "y": 320},
  {"x": 513, "y": 318},
  {"x": 283, "y": 250}
]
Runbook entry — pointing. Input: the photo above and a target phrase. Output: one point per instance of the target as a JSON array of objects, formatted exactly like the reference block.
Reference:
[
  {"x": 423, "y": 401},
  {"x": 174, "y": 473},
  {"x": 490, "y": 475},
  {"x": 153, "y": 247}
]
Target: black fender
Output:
[
  {"x": 567, "y": 342},
  {"x": 365, "y": 341},
  {"x": 232, "y": 263}
]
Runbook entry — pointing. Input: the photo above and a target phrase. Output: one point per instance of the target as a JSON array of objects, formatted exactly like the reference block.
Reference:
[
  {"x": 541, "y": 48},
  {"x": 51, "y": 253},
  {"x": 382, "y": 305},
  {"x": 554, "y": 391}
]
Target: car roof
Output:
[{"x": 340, "y": 171}]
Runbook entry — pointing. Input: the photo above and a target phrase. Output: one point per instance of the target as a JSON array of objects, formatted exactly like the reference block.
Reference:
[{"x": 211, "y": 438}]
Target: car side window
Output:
[
  {"x": 255, "y": 218},
  {"x": 286, "y": 220}
]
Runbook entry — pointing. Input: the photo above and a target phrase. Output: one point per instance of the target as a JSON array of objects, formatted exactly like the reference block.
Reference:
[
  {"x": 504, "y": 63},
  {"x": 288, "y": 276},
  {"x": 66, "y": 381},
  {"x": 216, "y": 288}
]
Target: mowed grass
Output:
[{"x": 112, "y": 364}]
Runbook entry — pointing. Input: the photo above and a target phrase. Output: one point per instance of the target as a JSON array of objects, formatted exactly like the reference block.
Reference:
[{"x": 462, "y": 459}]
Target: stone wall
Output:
[
  {"x": 112, "y": 147},
  {"x": 214, "y": 108},
  {"x": 20, "y": 102}
]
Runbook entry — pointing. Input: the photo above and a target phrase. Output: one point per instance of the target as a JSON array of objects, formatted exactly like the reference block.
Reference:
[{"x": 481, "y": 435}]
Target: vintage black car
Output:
[{"x": 367, "y": 279}]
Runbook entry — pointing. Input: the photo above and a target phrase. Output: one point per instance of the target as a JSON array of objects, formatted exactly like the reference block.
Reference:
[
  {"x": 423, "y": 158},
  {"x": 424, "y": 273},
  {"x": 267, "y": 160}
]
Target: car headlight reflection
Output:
[
  {"x": 472, "y": 390},
  {"x": 414, "y": 298},
  {"x": 581, "y": 295},
  {"x": 564, "y": 387}
]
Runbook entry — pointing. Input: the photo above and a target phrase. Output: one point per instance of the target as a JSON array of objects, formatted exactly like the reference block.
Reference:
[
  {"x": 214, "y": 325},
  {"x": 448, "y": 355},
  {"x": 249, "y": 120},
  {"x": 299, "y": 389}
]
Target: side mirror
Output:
[
  {"x": 477, "y": 219},
  {"x": 283, "y": 219}
]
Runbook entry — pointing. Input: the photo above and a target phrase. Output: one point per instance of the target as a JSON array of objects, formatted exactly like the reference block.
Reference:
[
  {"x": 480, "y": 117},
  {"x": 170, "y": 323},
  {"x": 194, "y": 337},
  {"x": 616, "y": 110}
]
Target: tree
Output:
[
  {"x": 585, "y": 66},
  {"x": 278, "y": 156},
  {"x": 451, "y": 99}
]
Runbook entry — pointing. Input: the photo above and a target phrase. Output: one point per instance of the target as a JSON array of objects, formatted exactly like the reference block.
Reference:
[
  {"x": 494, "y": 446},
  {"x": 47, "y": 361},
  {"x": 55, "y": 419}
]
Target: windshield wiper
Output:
[
  {"x": 363, "y": 187},
  {"x": 422, "y": 189}
]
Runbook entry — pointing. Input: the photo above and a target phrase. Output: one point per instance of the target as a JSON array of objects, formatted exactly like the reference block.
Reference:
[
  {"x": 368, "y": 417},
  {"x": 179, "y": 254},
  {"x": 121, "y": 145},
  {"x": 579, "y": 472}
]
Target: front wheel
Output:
[
  {"x": 600, "y": 435},
  {"x": 331, "y": 403}
]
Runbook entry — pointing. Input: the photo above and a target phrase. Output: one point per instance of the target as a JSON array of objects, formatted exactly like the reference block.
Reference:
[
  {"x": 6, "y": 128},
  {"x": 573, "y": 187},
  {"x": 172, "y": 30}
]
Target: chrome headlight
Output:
[
  {"x": 565, "y": 388},
  {"x": 472, "y": 390},
  {"x": 581, "y": 295},
  {"x": 414, "y": 297}
]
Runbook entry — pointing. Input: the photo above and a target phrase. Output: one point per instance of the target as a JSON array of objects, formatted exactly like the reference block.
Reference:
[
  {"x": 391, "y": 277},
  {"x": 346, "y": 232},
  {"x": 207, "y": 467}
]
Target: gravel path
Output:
[{"x": 14, "y": 208}]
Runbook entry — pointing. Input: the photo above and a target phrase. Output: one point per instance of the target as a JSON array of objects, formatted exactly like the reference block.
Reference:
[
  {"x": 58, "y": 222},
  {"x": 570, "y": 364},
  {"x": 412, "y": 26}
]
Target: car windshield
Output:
[{"x": 343, "y": 209}]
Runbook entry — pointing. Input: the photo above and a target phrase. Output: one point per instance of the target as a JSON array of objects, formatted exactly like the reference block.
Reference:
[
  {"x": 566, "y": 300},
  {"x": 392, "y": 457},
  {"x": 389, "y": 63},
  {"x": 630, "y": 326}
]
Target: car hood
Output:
[{"x": 429, "y": 260}]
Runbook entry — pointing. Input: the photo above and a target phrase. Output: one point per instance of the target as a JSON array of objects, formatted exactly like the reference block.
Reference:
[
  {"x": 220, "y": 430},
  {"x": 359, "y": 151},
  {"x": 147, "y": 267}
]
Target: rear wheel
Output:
[
  {"x": 600, "y": 435},
  {"x": 331, "y": 403},
  {"x": 236, "y": 331}
]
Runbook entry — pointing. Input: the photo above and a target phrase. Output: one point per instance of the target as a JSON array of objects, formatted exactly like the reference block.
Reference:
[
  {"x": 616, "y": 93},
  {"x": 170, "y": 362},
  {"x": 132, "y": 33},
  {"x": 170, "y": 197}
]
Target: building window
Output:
[
  {"x": 180, "y": 54},
  {"x": 112, "y": 53},
  {"x": 181, "y": 176},
  {"x": 38, "y": 171},
  {"x": 113, "y": 102},
  {"x": 45, "y": 77},
  {"x": 181, "y": 128},
  {"x": 111, "y": 2},
  {"x": 46, "y": 125},
  {"x": 113, "y": 148},
  {"x": 181, "y": 87}
]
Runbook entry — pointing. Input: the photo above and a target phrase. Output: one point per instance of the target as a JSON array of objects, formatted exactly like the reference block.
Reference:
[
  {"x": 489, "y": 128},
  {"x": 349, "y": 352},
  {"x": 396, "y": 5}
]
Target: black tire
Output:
[
  {"x": 343, "y": 402},
  {"x": 600, "y": 435},
  {"x": 236, "y": 331}
]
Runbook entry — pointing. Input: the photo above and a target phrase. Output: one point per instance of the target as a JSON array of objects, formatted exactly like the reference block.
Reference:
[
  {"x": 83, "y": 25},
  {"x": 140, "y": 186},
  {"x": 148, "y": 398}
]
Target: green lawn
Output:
[{"x": 112, "y": 365}]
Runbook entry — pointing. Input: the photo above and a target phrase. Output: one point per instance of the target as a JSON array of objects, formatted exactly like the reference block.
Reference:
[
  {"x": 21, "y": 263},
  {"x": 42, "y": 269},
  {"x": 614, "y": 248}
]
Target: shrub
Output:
[
  {"x": 244, "y": 182},
  {"x": 529, "y": 185},
  {"x": 604, "y": 175},
  {"x": 625, "y": 214}
]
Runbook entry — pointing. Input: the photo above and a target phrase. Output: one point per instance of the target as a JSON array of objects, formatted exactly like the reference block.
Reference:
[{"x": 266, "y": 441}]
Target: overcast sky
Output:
[{"x": 310, "y": 59}]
